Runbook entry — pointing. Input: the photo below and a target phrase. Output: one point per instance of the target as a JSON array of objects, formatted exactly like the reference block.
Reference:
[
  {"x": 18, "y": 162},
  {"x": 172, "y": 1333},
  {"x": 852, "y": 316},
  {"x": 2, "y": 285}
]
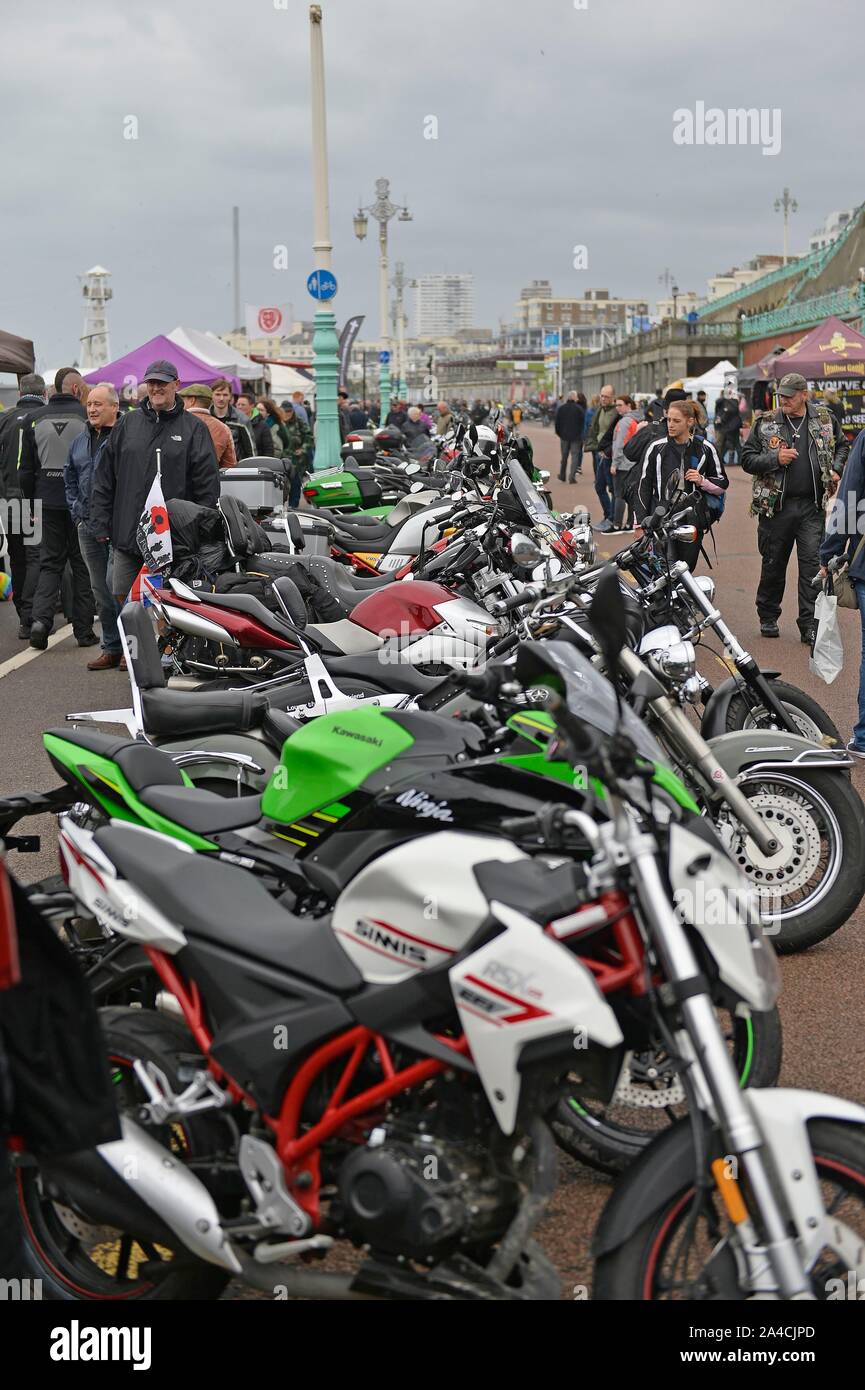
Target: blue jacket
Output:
[
  {"x": 845, "y": 516},
  {"x": 78, "y": 473}
]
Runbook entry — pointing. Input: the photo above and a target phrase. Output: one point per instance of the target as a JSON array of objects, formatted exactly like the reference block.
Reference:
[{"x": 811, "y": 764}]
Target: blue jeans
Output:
[
  {"x": 96, "y": 556},
  {"x": 859, "y": 726},
  {"x": 604, "y": 484}
]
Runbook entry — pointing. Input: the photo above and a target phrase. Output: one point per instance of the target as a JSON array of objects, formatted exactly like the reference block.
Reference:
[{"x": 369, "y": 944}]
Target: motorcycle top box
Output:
[{"x": 256, "y": 487}]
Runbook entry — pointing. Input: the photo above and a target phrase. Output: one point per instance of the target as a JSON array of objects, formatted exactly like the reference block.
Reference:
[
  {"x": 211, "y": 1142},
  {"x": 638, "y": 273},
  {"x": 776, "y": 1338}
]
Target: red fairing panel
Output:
[{"x": 402, "y": 608}]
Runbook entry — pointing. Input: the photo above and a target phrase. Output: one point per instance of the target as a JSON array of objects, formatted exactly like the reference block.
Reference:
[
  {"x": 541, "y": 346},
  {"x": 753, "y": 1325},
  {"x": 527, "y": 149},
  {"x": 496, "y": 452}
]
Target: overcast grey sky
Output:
[{"x": 554, "y": 129}]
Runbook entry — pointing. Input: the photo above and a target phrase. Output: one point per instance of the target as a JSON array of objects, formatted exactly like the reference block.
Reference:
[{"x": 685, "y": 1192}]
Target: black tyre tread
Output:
[
  {"x": 168, "y": 1040},
  {"x": 788, "y": 695},
  {"x": 608, "y": 1152},
  {"x": 618, "y": 1276},
  {"x": 816, "y": 923}
]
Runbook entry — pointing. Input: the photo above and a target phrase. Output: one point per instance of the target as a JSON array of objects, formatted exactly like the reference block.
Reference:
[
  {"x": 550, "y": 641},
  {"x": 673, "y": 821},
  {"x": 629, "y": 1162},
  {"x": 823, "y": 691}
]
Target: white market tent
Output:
[
  {"x": 712, "y": 382},
  {"x": 284, "y": 380},
  {"x": 208, "y": 348}
]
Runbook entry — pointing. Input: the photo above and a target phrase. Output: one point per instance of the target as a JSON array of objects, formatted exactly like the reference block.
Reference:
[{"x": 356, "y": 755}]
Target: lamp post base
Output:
[{"x": 328, "y": 439}]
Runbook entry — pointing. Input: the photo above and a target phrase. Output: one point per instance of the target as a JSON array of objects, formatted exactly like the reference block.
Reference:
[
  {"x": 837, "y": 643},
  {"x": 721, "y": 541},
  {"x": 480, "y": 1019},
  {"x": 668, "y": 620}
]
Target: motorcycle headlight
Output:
[{"x": 677, "y": 662}]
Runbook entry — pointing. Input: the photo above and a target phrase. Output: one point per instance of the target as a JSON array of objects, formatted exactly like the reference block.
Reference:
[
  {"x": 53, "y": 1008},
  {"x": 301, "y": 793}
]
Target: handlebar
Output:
[{"x": 523, "y": 600}]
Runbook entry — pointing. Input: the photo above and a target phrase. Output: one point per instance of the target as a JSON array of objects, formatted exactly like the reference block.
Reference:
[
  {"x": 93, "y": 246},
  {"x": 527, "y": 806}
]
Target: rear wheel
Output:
[
  {"x": 76, "y": 1257},
  {"x": 650, "y": 1096}
]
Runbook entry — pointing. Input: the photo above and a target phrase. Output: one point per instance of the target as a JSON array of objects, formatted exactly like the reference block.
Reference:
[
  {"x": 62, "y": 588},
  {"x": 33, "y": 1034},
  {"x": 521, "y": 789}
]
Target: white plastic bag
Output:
[{"x": 827, "y": 657}]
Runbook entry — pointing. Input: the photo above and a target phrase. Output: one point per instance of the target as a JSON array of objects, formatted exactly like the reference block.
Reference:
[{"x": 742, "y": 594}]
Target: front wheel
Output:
[
  {"x": 815, "y": 881},
  {"x": 677, "y": 1253},
  {"x": 650, "y": 1096},
  {"x": 811, "y": 721}
]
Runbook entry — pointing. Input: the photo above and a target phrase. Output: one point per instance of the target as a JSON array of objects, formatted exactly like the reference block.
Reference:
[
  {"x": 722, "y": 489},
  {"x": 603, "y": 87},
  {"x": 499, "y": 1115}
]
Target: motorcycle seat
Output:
[
  {"x": 400, "y": 677},
  {"x": 182, "y": 713},
  {"x": 340, "y": 518},
  {"x": 228, "y": 907},
  {"x": 141, "y": 764},
  {"x": 346, "y": 588},
  {"x": 247, "y": 603},
  {"x": 201, "y": 811}
]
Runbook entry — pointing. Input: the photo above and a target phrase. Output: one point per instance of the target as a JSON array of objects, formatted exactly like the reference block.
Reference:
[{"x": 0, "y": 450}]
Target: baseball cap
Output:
[
  {"x": 791, "y": 383},
  {"x": 675, "y": 393},
  {"x": 199, "y": 391},
  {"x": 161, "y": 370}
]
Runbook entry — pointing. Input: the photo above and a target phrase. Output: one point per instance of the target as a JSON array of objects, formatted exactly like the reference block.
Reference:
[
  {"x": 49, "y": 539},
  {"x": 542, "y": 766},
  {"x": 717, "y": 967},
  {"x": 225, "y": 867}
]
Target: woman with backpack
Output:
[
  {"x": 292, "y": 440},
  {"x": 620, "y": 468},
  {"x": 700, "y": 476}
]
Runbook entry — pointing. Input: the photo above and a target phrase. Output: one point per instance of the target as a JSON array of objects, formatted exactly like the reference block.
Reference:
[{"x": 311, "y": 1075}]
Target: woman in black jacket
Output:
[{"x": 699, "y": 470}]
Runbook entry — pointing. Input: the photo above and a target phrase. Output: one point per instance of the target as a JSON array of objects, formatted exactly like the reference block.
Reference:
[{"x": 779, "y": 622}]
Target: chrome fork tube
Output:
[{"x": 694, "y": 748}]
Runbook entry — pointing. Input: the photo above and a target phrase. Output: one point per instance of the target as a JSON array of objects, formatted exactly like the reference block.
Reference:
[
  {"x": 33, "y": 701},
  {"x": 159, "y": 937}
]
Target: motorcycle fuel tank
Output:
[{"x": 417, "y": 905}]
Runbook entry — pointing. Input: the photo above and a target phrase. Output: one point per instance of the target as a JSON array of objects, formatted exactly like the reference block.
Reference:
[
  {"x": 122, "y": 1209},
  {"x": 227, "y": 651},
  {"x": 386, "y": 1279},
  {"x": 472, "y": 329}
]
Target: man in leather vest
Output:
[{"x": 796, "y": 455}]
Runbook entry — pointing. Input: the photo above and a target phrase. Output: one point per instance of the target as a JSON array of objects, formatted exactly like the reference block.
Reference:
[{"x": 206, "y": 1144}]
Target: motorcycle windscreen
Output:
[
  {"x": 589, "y": 694},
  {"x": 532, "y": 503}
]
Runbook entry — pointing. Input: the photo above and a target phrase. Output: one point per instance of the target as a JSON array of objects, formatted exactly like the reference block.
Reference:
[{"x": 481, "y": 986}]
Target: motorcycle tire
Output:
[
  {"x": 635, "y": 1270},
  {"x": 820, "y": 818},
  {"x": 78, "y": 1261},
  {"x": 811, "y": 719},
  {"x": 609, "y": 1138}
]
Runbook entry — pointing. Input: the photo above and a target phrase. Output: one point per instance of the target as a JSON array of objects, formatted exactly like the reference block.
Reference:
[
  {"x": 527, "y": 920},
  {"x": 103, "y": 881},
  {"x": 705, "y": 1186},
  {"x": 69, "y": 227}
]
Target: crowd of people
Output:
[{"x": 84, "y": 457}]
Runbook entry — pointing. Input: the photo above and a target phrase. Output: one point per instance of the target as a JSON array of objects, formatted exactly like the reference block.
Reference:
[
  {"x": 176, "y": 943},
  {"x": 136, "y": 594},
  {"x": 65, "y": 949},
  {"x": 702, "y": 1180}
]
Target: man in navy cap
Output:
[{"x": 127, "y": 468}]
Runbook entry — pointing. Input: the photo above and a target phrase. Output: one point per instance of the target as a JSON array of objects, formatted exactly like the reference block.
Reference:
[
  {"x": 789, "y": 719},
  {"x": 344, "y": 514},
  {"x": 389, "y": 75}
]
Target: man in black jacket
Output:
[
  {"x": 570, "y": 424},
  {"x": 46, "y": 437},
  {"x": 127, "y": 468},
  {"x": 22, "y": 542}
]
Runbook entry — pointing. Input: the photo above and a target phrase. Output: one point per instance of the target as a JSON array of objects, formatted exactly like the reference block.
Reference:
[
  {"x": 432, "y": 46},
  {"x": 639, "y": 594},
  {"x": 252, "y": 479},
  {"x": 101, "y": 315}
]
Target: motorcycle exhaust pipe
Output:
[{"x": 153, "y": 1179}]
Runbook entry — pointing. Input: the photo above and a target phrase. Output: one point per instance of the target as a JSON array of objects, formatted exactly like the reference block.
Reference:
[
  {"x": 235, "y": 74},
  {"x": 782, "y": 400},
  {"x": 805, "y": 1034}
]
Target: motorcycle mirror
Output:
[
  {"x": 417, "y": 487},
  {"x": 607, "y": 617},
  {"x": 524, "y": 552},
  {"x": 412, "y": 468}
]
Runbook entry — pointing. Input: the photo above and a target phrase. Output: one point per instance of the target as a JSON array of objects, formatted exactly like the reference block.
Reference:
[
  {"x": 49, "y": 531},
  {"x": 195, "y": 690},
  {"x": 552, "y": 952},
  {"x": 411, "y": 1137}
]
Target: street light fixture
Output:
[
  {"x": 382, "y": 210},
  {"x": 786, "y": 204}
]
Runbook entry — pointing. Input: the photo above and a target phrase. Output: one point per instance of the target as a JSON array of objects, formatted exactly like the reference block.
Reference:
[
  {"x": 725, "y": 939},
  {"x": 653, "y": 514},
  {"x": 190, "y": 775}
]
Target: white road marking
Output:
[{"x": 15, "y": 662}]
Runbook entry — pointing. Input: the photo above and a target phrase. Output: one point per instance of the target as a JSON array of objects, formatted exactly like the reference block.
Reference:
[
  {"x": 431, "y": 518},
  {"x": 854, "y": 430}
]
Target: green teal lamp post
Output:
[
  {"x": 322, "y": 283},
  {"x": 382, "y": 210}
]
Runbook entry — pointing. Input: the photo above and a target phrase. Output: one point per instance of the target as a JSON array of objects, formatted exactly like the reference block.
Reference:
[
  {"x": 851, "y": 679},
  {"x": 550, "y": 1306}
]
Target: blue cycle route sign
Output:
[
  {"x": 384, "y": 357},
  {"x": 322, "y": 284}
]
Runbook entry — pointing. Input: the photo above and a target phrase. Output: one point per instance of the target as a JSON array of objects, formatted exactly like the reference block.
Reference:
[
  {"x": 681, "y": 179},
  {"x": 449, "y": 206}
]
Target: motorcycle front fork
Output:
[{"x": 716, "y": 1070}]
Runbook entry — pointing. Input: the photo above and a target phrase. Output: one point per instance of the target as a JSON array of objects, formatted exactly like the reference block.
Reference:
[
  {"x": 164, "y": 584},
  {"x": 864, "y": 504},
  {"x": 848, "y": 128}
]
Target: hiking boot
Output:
[{"x": 107, "y": 661}]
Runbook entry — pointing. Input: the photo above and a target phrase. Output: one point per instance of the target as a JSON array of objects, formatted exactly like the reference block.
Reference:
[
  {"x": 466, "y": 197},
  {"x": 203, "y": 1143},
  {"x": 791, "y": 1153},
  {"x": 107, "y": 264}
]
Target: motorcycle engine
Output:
[{"x": 408, "y": 1192}]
